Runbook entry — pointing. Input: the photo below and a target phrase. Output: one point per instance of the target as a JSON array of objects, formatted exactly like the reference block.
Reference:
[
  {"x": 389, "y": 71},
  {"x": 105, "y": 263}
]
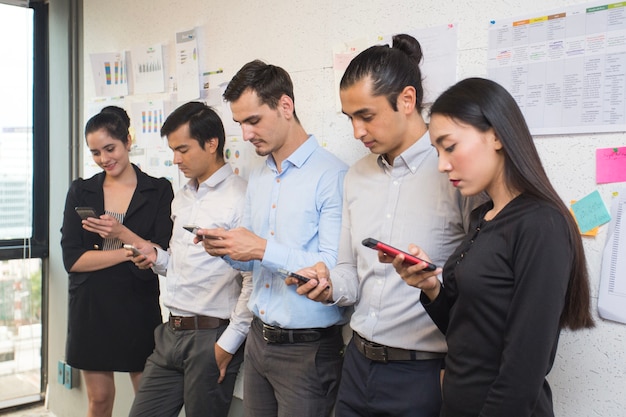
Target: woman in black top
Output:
[
  {"x": 520, "y": 275},
  {"x": 113, "y": 305}
]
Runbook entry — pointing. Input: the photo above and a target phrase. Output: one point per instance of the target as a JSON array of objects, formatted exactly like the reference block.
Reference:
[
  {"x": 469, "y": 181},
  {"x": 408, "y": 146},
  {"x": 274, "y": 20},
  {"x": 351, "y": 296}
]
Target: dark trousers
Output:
[
  {"x": 291, "y": 379},
  {"x": 393, "y": 389},
  {"x": 182, "y": 370}
]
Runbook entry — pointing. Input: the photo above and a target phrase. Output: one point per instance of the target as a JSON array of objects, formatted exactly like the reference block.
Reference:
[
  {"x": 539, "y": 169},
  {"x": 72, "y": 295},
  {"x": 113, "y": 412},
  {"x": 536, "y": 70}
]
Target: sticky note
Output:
[
  {"x": 590, "y": 212},
  {"x": 592, "y": 233},
  {"x": 610, "y": 165}
]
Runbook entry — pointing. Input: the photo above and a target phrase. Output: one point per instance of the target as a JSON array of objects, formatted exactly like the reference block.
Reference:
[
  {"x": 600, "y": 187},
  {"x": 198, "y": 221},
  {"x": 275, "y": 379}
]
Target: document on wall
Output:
[
  {"x": 566, "y": 68},
  {"x": 187, "y": 66},
  {"x": 149, "y": 150},
  {"x": 148, "y": 71},
  {"x": 110, "y": 75},
  {"x": 612, "y": 296},
  {"x": 438, "y": 67}
]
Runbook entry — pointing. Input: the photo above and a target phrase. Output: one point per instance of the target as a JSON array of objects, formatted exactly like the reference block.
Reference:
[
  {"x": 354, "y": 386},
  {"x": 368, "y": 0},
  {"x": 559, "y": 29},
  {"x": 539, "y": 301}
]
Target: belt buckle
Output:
[
  {"x": 265, "y": 333},
  {"x": 375, "y": 353},
  {"x": 177, "y": 322}
]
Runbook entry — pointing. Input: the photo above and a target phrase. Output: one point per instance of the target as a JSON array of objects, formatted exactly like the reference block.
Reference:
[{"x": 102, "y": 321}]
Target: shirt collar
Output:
[
  {"x": 299, "y": 156},
  {"x": 411, "y": 158},
  {"x": 214, "y": 180}
]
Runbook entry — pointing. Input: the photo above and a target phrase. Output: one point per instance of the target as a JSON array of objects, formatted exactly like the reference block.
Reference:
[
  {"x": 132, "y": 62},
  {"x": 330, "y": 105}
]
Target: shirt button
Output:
[
  {"x": 262, "y": 311},
  {"x": 273, "y": 205},
  {"x": 267, "y": 285},
  {"x": 272, "y": 233},
  {"x": 277, "y": 180}
]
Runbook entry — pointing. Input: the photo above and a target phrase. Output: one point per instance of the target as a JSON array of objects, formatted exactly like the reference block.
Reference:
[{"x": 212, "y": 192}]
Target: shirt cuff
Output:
[
  {"x": 275, "y": 256},
  {"x": 231, "y": 340},
  {"x": 160, "y": 265}
]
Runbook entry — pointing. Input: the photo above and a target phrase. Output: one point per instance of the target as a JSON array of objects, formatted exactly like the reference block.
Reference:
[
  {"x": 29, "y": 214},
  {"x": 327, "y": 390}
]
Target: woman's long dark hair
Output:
[{"x": 484, "y": 104}]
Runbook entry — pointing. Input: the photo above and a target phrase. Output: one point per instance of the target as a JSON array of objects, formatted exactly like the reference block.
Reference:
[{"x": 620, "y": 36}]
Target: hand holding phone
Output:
[
  {"x": 299, "y": 277},
  {"x": 86, "y": 212},
  {"x": 133, "y": 249},
  {"x": 391, "y": 251}
]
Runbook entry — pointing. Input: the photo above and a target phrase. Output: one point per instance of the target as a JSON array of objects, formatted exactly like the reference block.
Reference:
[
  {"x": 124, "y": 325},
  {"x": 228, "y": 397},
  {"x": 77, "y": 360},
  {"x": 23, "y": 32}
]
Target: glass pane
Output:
[
  {"x": 16, "y": 139},
  {"x": 20, "y": 329}
]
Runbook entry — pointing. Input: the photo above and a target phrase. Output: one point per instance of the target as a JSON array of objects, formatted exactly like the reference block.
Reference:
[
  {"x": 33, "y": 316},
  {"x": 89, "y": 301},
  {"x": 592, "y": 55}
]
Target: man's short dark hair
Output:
[
  {"x": 204, "y": 124},
  {"x": 269, "y": 82}
]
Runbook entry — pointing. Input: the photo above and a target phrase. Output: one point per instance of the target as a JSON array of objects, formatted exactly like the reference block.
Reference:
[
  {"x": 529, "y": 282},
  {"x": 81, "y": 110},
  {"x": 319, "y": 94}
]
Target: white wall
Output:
[{"x": 589, "y": 374}]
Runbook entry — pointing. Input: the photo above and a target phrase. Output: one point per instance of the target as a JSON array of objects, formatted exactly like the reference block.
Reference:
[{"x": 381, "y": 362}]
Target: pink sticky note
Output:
[{"x": 610, "y": 165}]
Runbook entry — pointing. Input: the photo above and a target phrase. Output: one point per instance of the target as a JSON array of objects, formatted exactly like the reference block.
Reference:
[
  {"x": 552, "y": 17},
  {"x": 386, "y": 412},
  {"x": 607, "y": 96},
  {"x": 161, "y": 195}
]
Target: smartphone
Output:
[
  {"x": 299, "y": 277},
  {"x": 192, "y": 229},
  {"x": 85, "y": 212},
  {"x": 133, "y": 249},
  {"x": 391, "y": 251}
]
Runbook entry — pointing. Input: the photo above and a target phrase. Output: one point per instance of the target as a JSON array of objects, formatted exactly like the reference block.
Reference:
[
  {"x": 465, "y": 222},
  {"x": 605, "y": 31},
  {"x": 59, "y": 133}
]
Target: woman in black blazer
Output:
[{"x": 113, "y": 305}]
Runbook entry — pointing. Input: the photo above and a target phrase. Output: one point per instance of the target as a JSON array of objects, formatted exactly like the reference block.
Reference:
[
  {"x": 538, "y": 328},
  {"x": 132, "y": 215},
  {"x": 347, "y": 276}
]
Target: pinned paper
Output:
[
  {"x": 590, "y": 212},
  {"x": 610, "y": 165},
  {"x": 593, "y": 232}
]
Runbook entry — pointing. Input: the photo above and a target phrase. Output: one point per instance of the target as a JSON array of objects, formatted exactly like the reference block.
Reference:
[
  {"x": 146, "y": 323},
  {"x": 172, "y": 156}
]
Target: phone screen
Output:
[
  {"x": 86, "y": 212},
  {"x": 391, "y": 251}
]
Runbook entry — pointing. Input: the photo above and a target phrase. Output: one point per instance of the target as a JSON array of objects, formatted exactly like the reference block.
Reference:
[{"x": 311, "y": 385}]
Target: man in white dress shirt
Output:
[{"x": 199, "y": 350}]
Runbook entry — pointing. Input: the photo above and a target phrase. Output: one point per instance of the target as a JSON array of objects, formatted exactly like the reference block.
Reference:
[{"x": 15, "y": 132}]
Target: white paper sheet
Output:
[
  {"x": 565, "y": 68},
  {"x": 110, "y": 74},
  {"x": 187, "y": 70},
  {"x": 612, "y": 296},
  {"x": 148, "y": 69}
]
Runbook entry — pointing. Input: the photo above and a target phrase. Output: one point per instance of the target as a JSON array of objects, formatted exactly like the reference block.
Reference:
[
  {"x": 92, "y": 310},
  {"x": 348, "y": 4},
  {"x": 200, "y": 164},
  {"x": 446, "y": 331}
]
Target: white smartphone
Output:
[{"x": 132, "y": 249}]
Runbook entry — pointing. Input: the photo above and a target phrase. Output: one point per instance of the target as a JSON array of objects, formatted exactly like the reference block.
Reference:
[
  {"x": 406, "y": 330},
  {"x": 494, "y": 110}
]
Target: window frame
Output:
[{"x": 38, "y": 245}]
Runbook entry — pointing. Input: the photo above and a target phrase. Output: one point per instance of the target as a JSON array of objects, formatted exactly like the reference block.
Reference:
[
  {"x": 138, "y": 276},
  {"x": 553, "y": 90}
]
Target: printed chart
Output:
[{"x": 566, "y": 68}]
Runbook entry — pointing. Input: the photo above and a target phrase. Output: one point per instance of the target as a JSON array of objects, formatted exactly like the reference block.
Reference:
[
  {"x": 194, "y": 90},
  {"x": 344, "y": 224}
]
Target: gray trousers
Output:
[
  {"x": 182, "y": 370},
  {"x": 287, "y": 380}
]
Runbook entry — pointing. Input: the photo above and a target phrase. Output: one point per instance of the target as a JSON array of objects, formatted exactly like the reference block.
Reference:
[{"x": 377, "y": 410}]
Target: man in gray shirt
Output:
[{"x": 395, "y": 195}]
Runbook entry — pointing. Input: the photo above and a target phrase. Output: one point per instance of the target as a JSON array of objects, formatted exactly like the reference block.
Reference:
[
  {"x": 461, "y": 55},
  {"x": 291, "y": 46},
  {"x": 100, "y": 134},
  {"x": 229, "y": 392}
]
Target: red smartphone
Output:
[{"x": 391, "y": 251}]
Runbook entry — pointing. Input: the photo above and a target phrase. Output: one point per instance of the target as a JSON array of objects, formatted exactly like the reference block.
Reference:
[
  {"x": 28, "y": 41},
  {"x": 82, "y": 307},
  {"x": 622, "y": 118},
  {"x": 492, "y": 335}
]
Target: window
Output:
[{"x": 23, "y": 199}]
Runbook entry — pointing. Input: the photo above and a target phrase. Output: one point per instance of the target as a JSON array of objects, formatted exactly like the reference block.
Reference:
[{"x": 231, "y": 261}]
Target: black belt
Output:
[
  {"x": 196, "y": 322},
  {"x": 381, "y": 353},
  {"x": 275, "y": 334}
]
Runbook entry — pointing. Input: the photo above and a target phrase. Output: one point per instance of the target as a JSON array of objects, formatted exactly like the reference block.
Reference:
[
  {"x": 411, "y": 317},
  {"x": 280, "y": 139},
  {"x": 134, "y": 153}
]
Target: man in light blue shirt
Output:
[{"x": 292, "y": 219}]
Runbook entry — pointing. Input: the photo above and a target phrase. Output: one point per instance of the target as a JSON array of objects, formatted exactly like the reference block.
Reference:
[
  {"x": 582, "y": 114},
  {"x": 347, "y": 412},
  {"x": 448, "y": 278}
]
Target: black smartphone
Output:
[
  {"x": 85, "y": 212},
  {"x": 391, "y": 251},
  {"x": 299, "y": 277},
  {"x": 192, "y": 229},
  {"x": 133, "y": 249}
]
